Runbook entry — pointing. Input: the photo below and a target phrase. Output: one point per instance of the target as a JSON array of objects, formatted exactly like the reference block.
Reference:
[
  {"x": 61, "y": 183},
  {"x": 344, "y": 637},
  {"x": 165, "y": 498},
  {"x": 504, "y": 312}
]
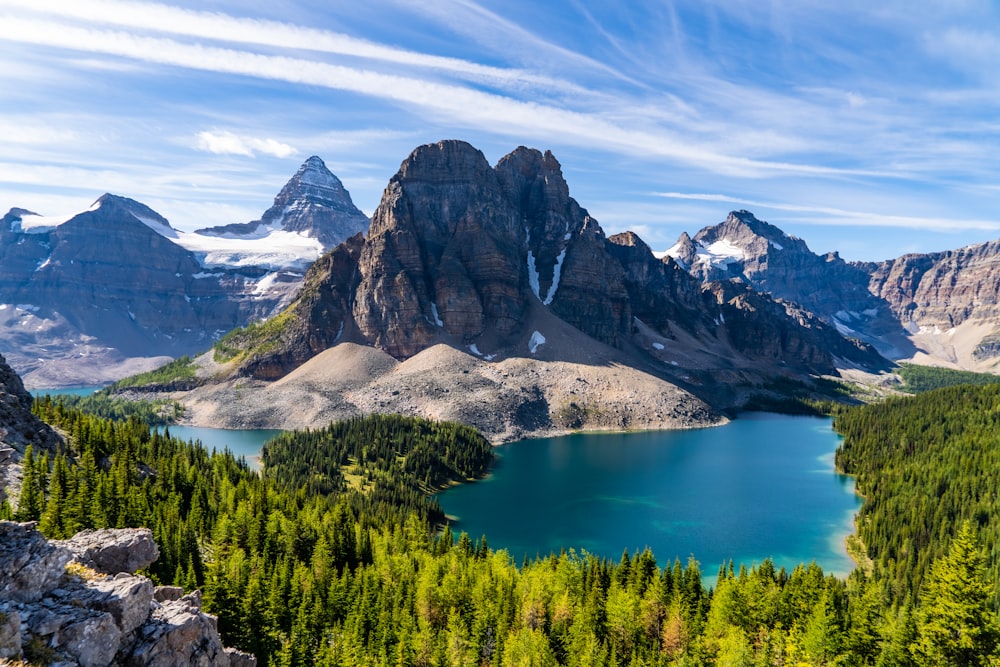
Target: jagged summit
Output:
[
  {"x": 742, "y": 228},
  {"x": 497, "y": 289},
  {"x": 313, "y": 203},
  {"x": 761, "y": 255},
  {"x": 720, "y": 251},
  {"x": 120, "y": 208},
  {"x": 17, "y": 213}
]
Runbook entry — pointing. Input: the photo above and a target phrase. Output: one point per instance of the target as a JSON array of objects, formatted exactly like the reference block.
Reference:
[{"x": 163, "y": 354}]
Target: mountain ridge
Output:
[
  {"x": 116, "y": 289},
  {"x": 938, "y": 308},
  {"x": 498, "y": 267}
]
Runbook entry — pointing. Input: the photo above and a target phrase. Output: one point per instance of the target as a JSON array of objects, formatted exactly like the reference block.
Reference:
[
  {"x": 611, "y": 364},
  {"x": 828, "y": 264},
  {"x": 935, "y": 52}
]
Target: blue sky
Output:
[{"x": 868, "y": 128}]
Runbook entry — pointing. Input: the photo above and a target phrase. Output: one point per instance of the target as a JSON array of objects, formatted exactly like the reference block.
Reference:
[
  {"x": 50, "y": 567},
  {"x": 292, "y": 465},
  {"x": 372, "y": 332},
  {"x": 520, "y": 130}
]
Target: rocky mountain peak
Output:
[
  {"x": 116, "y": 207},
  {"x": 313, "y": 202},
  {"x": 743, "y": 229},
  {"x": 17, "y": 213},
  {"x": 447, "y": 162},
  {"x": 632, "y": 240},
  {"x": 315, "y": 182},
  {"x": 443, "y": 256}
]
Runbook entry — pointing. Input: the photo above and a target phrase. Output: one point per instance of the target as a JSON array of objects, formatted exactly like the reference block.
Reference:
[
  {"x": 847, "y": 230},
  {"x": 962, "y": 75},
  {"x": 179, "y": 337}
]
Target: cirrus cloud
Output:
[{"x": 225, "y": 142}]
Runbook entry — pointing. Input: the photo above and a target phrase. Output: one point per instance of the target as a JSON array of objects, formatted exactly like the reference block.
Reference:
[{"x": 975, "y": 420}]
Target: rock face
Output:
[
  {"x": 442, "y": 255},
  {"x": 764, "y": 257},
  {"x": 18, "y": 429},
  {"x": 942, "y": 289},
  {"x": 501, "y": 264},
  {"x": 939, "y": 307},
  {"x": 104, "y": 287},
  {"x": 116, "y": 290},
  {"x": 110, "y": 272},
  {"x": 113, "y": 550},
  {"x": 101, "y": 618},
  {"x": 314, "y": 202},
  {"x": 458, "y": 252}
]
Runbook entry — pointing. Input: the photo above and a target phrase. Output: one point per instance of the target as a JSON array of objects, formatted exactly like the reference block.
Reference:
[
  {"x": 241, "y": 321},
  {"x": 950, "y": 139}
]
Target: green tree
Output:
[
  {"x": 32, "y": 499},
  {"x": 955, "y": 623}
]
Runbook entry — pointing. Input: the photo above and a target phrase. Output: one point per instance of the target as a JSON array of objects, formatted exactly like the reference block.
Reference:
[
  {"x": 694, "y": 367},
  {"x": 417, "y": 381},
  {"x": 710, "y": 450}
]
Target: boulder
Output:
[
  {"x": 30, "y": 566},
  {"x": 178, "y": 633},
  {"x": 113, "y": 550},
  {"x": 97, "y": 621}
]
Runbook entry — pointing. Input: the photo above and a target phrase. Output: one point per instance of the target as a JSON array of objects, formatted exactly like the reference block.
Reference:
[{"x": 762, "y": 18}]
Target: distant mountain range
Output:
[
  {"x": 490, "y": 296},
  {"x": 491, "y": 276},
  {"x": 116, "y": 289},
  {"x": 940, "y": 308}
]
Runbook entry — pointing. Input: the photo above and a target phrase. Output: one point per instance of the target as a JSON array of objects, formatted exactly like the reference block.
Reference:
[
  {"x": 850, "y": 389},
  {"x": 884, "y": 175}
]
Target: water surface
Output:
[
  {"x": 246, "y": 443},
  {"x": 762, "y": 486},
  {"x": 66, "y": 391}
]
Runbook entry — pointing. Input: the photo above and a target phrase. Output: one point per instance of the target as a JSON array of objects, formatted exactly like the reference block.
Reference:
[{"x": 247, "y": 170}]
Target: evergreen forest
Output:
[{"x": 337, "y": 554}]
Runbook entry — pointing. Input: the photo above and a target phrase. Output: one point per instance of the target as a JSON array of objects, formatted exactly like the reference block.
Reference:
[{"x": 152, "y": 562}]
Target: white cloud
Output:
[
  {"x": 841, "y": 217},
  {"x": 216, "y": 26},
  {"x": 456, "y": 104},
  {"x": 228, "y": 143}
]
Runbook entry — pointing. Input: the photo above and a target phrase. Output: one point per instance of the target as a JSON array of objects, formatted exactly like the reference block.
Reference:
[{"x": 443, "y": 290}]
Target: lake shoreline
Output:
[{"x": 648, "y": 518}]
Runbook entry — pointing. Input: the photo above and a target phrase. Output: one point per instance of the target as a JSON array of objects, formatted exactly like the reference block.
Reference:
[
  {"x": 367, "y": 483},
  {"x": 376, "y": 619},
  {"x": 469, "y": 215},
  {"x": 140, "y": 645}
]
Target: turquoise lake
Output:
[
  {"x": 245, "y": 443},
  {"x": 761, "y": 486}
]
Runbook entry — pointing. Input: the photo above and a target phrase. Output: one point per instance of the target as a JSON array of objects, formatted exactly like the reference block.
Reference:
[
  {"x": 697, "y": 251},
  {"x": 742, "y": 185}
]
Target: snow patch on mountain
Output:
[
  {"x": 720, "y": 253},
  {"x": 40, "y": 224},
  {"x": 717, "y": 255},
  {"x": 276, "y": 250},
  {"x": 537, "y": 340},
  {"x": 156, "y": 225},
  {"x": 556, "y": 273}
]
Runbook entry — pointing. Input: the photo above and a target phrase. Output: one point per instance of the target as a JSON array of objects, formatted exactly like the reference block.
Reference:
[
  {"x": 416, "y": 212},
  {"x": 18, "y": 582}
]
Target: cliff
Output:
[
  {"x": 78, "y": 602},
  {"x": 497, "y": 272},
  {"x": 18, "y": 429}
]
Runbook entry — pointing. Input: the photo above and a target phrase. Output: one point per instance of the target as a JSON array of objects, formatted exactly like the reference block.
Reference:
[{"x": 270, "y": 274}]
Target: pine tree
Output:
[
  {"x": 32, "y": 499},
  {"x": 955, "y": 623}
]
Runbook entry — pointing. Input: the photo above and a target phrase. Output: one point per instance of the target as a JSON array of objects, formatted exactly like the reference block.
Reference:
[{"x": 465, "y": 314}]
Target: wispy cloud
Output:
[
  {"x": 842, "y": 217},
  {"x": 803, "y": 108},
  {"x": 225, "y": 142},
  {"x": 214, "y": 26},
  {"x": 473, "y": 108}
]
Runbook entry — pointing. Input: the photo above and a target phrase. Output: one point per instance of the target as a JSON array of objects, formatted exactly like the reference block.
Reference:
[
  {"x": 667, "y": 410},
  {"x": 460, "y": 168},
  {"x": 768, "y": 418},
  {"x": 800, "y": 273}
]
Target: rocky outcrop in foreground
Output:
[
  {"x": 96, "y": 611},
  {"x": 18, "y": 429}
]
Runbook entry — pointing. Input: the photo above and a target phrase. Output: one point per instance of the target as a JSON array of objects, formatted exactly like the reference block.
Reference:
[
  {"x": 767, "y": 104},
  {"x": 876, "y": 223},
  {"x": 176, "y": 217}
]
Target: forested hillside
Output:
[
  {"x": 924, "y": 464},
  {"x": 309, "y": 569}
]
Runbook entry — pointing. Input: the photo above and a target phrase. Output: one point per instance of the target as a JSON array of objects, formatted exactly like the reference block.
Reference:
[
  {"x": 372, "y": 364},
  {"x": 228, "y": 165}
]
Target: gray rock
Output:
[
  {"x": 126, "y": 598},
  {"x": 167, "y": 593},
  {"x": 177, "y": 634},
  {"x": 102, "y": 621},
  {"x": 10, "y": 634},
  {"x": 30, "y": 566},
  {"x": 238, "y": 658},
  {"x": 89, "y": 637},
  {"x": 114, "y": 550}
]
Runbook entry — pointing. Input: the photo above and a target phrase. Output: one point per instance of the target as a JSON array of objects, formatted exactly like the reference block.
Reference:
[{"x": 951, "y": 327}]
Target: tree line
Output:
[{"x": 307, "y": 567}]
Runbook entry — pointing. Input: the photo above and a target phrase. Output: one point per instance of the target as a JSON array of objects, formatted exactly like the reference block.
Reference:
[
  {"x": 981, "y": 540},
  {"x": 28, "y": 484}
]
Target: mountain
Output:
[
  {"x": 948, "y": 303},
  {"x": 314, "y": 203},
  {"x": 93, "y": 297},
  {"x": 938, "y": 308},
  {"x": 489, "y": 295}
]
